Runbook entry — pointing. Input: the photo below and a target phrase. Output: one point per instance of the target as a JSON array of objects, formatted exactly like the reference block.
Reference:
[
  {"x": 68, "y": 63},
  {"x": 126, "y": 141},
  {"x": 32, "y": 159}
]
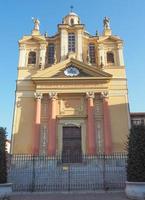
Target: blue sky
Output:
[{"x": 127, "y": 21}]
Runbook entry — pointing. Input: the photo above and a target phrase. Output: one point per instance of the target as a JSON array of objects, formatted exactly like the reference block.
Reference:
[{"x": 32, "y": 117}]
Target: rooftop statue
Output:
[
  {"x": 36, "y": 23},
  {"x": 106, "y": 23}
]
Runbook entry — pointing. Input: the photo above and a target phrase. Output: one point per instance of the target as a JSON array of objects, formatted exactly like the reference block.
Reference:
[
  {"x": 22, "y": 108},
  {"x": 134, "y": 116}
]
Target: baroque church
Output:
[{"x": 71, "y": 92}]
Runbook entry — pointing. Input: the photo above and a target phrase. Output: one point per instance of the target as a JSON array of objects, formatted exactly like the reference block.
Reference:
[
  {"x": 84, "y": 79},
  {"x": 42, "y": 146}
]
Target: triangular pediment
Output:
[
  {"x": 71, "y": 69},
  {"x": 32, "y": 39},
  {"x": 110, "y": 38}
]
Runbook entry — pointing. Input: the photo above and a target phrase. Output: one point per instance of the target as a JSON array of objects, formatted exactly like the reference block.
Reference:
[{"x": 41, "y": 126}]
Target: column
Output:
[
  {"x": 42, "y": 56},
  {"x": 36, "y": 137},
  {"x": 107, "y": 125},
  {"x": 22, "y": 55},
  {"x": 91, "y": 137},
  {"x": 120, "y": 54},
  {"x": 101, "y": 55},
  {"x": 52, "y": 124},
  {"x": 64, "y": 44},
  {"x": 79, "y": 43}
]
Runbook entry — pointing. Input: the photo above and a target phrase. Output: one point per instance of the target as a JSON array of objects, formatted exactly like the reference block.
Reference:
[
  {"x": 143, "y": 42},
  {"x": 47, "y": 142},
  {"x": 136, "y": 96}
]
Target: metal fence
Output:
[{"x": 42, "y": 173}]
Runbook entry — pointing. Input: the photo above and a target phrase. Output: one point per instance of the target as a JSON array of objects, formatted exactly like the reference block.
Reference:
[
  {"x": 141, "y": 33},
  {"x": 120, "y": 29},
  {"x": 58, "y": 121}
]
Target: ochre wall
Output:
[
  {"x": 24, "y": 117},
  {"x": 67, "y": 110},
  {"x": 24, "y": 126},
  {"x": 119, "y": 121}
]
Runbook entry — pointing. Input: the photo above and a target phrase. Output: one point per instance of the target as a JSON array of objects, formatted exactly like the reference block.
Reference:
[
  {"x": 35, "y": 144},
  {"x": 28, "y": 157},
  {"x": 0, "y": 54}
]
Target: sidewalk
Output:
[{"x": 70, "y": 196}]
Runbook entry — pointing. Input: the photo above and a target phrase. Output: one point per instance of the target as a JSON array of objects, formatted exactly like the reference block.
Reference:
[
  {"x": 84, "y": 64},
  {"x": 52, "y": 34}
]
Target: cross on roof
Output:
[{"x": 71, "y": 8}]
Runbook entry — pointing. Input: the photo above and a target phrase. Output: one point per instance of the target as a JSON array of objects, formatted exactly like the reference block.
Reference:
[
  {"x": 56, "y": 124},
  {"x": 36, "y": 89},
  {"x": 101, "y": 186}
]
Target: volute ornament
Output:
[{"x": 38, "y": 95}]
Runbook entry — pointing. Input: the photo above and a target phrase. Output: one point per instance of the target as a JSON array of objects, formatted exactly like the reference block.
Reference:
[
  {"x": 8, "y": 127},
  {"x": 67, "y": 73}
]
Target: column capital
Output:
[
  {"x": 119, "y": 45},
  {"x": 22, "y": 47},
  {"x": 38, "y": 95},
  {"x": 104, "y": 94},
  {"x": 52, "y": 95},
  {"x": 43, "y": 47},
  {"x": 90, "y": 95},
  {"x": 100, "y": 47}
]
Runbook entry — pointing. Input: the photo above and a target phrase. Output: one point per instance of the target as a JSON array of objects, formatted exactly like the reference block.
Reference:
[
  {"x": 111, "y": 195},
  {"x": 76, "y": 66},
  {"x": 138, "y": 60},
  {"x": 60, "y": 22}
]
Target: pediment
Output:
[
  {"x": 71, "y": 69},
  {"x": 32, "y": 39},
  {"x": 110, "y": 38}
]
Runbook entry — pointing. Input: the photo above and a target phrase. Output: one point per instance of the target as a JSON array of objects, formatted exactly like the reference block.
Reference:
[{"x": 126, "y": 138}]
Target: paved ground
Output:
[{"x": 70, "y": 196}]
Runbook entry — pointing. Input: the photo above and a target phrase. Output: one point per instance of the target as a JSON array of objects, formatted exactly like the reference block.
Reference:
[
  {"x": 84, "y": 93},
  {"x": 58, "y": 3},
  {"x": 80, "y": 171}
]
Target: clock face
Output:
[{"x": 71, "y": 71}]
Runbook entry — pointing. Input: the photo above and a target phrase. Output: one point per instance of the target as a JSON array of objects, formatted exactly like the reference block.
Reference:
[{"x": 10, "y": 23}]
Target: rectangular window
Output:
[
  {"x": 51, "y": 51},
  {"x": 137, "y": 122},
  {"x": 71, "y": 42},
  {"x": 92, "y": 53}
]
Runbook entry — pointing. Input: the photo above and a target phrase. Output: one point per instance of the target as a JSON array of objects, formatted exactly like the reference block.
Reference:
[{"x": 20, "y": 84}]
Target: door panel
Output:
[{"x": 72, "y": 145}]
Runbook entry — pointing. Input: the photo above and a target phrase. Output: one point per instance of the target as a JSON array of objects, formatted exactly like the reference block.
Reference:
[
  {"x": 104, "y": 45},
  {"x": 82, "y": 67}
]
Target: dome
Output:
[
  {"x": 73, "y": 14},
  {"x": 71, "y": 19}
]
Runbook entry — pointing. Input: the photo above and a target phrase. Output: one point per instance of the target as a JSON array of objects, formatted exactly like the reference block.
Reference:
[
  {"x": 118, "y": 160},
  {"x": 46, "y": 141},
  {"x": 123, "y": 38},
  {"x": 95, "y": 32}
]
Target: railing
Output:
[{"x": 43, "y": 173}]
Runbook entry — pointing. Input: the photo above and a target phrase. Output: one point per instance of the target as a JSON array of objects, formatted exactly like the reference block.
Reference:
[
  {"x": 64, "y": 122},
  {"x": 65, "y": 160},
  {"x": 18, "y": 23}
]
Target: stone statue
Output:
[
  {"x": 97, "y": 34},
  {"x": 36, "y": 23},
  {"x": 106, "y": 23}
]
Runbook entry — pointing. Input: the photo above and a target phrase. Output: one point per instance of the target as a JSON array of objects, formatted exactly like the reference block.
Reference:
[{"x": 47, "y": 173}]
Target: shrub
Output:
[
  {"x": 3, "y": 154},
  {"x": 136, "y": 154}
]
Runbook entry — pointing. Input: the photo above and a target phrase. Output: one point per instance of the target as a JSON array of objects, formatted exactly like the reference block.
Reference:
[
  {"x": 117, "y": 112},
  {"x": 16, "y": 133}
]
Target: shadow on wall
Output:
[{"x": 25, "y": 117}]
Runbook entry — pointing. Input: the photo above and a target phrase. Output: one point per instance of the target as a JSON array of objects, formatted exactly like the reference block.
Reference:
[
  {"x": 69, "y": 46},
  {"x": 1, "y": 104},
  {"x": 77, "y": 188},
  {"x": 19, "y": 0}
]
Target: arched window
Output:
[
  {"x": 110, "y": 57},
  {"x": 32, "y": 57},
  {"x": 72, "y": 22},
  {"x": 51, "y": 51},
  {"x": 92, "y": 53},
  {"x": 71, "y": 42}
]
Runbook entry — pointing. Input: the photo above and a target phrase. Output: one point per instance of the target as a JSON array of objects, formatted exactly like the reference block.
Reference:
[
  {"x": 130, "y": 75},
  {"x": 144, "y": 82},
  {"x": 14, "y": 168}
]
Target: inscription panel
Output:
[{"x": 71, "y": 106}]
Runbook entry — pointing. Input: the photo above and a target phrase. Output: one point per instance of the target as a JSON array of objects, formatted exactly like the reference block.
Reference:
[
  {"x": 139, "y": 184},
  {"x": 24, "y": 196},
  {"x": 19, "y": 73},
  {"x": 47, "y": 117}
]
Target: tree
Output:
[
  {"x": 136, "y": 154},
  {"x": 3, "y": 155}
]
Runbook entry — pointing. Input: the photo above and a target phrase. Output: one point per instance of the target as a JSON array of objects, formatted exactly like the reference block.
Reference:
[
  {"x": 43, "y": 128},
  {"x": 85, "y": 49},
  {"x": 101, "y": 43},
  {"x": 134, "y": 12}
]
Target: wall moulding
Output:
[
  {"x": 67, "y": 122},
  {"x": 61, "y": 86},
  {"x": 71, "y": 116},
  {"x": 73, "y": 106}
]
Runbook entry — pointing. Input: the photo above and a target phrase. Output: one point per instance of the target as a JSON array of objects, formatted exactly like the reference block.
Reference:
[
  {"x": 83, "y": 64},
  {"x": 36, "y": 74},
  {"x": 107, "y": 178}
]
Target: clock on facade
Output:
[{"x": 71, "y": 71}]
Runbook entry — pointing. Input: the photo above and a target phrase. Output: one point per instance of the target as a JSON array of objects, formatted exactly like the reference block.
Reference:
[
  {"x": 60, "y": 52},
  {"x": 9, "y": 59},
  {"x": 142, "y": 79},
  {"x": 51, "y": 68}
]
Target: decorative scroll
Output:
[
  {"x": 105, "y": 94},
  {"x": 52, "y": 95},
  {"x": 43, "y": 140},
  {"x": 90, "y": 94},
  {"x": 38, "y": 95}
]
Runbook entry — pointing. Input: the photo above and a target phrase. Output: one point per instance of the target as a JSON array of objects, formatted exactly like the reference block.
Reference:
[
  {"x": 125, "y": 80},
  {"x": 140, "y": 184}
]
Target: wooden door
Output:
[{"x": 71, "y": 145}]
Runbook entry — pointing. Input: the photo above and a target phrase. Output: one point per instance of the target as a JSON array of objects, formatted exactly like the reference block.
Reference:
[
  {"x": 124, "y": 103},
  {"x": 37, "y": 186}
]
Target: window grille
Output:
[
  {"x": 51, "y": 52},
  {"x": 110, "y": 57},
  {"x": 92, "y": 53},
  {"x": 32, "y": 57},
  {"x": 71, "y": 42}
]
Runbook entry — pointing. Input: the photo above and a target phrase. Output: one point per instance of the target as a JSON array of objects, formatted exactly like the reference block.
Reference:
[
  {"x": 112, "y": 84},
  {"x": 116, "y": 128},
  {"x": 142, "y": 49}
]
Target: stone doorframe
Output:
[{"x": 70, "y": 122}]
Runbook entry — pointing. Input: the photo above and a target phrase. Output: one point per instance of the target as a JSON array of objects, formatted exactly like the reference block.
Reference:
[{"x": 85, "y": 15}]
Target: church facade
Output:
[{"x": 71, "y": 92}]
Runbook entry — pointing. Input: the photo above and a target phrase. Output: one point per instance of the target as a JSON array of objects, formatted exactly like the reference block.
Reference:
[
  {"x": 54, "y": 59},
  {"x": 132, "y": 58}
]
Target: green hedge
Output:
[
  {"x": 136, "y": 154},
  {"x": 3, "y": 154}
]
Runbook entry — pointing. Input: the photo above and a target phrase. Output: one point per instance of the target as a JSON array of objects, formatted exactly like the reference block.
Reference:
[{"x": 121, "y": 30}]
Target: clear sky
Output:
[{"x": 127, "y": 21}]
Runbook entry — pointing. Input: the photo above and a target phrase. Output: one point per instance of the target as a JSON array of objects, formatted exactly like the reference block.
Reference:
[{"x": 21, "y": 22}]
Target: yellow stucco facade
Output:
[{"x": 64, "y": 82}]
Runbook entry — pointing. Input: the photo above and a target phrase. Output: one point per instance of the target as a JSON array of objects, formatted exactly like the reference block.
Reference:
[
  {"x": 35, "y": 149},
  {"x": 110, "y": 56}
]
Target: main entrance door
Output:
[{"x": 72, "y": 152}]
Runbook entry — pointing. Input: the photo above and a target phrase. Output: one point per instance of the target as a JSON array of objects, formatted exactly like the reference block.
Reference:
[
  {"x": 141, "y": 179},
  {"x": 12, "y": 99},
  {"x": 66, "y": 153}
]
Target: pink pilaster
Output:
[
  {"x": 91, "y": 138},
  {"x": 107, "y": 126},
  {"x": 52, "y": 125},
  {"x": 36, "y": 134}
]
